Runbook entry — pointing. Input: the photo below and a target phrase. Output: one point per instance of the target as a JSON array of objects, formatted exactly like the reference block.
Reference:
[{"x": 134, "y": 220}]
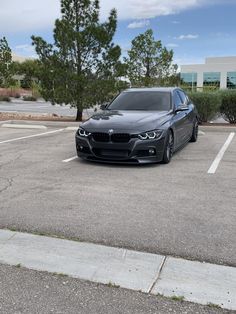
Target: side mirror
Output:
[
  {"x": 182, "y": 108},
  {"x": 104, "y": 106}
]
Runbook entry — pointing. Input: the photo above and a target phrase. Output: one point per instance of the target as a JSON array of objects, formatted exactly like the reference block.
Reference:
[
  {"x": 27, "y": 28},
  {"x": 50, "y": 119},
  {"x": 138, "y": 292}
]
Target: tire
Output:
[
  {"x": 194, "y": 136},
  {"x": 169, "y": 146}
]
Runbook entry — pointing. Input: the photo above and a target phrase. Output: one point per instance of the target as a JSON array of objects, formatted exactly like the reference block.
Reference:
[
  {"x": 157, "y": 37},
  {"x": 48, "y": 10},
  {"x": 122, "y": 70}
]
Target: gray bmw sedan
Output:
[{"x": 141, "y": 125}]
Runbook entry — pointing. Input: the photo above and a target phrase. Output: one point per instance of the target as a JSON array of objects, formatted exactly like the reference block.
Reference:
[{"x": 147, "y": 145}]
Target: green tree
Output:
[
  {"x": 83, "y": 62},
  {"x": 30, "y": 70},
  {"x": 172, "y": 79},
  {"x": 5, "y": 62},
  {"x": 148, "y": 62}
]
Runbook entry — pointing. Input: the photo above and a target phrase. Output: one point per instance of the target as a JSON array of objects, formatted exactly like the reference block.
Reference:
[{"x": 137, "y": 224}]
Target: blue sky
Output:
[{"x": 194, "y": 29}]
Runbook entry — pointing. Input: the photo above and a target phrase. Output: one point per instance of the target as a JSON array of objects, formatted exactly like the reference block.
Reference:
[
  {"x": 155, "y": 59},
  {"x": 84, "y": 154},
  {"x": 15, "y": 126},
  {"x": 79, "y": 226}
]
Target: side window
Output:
[
  {"x": 183, "y": 97},
  {"x": 177, "y": 101}
]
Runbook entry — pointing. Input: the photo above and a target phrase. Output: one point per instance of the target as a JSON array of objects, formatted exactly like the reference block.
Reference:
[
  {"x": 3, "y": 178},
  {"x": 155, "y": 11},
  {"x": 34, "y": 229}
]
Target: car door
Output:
[
  {"x": 180, "y": 121},
  {"x": 189, "y": 113}
]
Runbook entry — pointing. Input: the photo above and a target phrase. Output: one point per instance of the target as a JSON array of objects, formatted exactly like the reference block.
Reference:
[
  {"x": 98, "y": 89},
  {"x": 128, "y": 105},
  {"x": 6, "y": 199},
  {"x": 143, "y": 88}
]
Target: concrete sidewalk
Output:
[{"x": 150, "y": 273}]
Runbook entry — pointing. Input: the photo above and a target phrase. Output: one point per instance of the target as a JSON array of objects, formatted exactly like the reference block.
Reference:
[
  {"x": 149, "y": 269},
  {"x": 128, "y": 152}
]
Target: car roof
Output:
[{"x": 151, "y": 89}]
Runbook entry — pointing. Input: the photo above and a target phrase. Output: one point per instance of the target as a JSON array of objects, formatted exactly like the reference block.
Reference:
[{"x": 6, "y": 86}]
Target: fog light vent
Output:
[{"x": 152, "y": 151}]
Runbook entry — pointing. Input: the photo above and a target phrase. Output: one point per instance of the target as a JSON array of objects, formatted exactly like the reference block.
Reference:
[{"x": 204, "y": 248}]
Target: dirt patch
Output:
[{"x": 15, "y": 92}]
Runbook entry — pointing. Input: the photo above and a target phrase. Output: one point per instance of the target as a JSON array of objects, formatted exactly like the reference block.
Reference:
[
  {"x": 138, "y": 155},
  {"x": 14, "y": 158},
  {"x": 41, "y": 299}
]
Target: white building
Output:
[{"x": 217, "y": 71}]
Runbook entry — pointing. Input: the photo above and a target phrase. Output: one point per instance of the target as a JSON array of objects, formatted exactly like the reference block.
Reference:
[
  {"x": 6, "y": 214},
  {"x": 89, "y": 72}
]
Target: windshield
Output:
[{"x": 148, "y": 101}]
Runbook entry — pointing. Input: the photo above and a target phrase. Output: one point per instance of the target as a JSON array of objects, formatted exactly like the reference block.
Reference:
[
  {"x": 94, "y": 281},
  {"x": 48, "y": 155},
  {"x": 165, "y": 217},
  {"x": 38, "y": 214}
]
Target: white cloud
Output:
[
  {"x": 189, "y": 36},
  {"x": 171, "y": 45},
  {"x": 34, "y": 15},
  {"x": 175, "y": 22},
  {"x": 25, "y": 50},
  {"x": 139, "y": 9},
  {"x": 139, "y": 24},
  {"x": 221, "y": 34},
  {"x": 27, "y": 15}
]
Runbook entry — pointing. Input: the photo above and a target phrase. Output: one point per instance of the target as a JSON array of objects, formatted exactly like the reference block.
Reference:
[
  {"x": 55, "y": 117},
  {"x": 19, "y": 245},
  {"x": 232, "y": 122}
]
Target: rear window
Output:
[{"x": 147, "y": 101}]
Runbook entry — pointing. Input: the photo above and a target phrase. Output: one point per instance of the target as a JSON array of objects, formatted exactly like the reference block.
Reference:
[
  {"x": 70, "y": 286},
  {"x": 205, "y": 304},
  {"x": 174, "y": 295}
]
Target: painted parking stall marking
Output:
[
  {"x": 221, "y": 153},
  {"x": 31, "y": 136},
  {"x": 23, "y": 126},
  {"x": 70, "y": 159}
]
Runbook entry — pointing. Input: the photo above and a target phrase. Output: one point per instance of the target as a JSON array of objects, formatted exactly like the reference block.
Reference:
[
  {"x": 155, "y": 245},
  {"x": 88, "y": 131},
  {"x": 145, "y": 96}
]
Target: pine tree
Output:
[
  {"x": 81, "y": 66},
  {"x": 148, "y": 62},
  {"x": 5, "y": 62}
]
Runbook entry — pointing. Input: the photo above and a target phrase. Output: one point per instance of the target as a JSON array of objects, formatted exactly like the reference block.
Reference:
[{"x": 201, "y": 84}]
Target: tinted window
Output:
[
  {"x": 149, "y": 101},
  {"x": 211, "y": 79},
  {"x": 178, "y": 102},
  {"x": 189, "y": 78},
  {"x": 183, "y": 97},
  {"x": 231, "y": 80}
]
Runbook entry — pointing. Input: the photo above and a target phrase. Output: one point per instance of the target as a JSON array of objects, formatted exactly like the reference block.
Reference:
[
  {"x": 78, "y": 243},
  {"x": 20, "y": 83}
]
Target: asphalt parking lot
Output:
[{"x": 177, "y": 209}]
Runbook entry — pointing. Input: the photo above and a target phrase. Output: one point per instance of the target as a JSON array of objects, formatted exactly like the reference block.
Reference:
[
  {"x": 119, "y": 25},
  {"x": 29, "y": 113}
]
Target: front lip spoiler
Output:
[{"x": 134, "y": 161}]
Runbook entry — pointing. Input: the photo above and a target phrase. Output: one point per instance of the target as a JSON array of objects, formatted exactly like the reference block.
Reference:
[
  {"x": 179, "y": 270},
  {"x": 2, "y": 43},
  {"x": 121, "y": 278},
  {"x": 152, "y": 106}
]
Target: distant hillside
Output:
[{"x": 20, "y": 58}]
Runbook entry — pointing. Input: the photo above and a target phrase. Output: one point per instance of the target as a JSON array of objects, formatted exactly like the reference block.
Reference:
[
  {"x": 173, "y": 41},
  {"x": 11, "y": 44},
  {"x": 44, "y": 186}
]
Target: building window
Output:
[
  {"x": 189, "y": 79},
  {"x": 211, "y": 79},
  {"x": 231, "y": 80}
]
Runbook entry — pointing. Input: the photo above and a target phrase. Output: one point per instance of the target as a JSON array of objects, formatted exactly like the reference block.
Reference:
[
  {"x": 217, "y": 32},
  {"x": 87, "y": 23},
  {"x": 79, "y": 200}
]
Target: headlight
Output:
[
  {"x": 150, "y": 135},
  {"x": 81, "y": 132}
]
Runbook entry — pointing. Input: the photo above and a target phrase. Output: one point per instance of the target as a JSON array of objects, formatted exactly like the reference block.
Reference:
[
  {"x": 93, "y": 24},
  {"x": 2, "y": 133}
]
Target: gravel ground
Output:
[{"x": 25, "y": 291}]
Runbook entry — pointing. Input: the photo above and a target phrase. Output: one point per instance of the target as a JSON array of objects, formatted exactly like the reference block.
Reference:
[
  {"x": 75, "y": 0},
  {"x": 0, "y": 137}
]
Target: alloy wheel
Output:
[{"x": 169, "y": 149}]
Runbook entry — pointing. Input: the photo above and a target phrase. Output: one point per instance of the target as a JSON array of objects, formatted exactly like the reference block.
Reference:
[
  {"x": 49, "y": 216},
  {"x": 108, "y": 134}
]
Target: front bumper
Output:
[{"x": 135, "y": 151}]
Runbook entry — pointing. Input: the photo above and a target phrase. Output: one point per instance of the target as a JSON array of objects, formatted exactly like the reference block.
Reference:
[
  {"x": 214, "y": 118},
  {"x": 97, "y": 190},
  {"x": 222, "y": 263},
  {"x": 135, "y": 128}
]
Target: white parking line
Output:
[
  {"x": 220, "y": 155},
  {"x": 72, "y": 128},
  {"x": 201, "y": 133},
  {"x": 24, "y": 126},
  {"x": 70, "y": 159},
  {"x": 30, "y": 136}
]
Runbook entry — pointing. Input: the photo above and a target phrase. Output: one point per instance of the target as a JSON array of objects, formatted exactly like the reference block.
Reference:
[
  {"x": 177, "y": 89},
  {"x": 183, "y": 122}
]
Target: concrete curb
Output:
[
  {"x": 216, "y": 128},
  {"x": 197, "y": 282},
  {"x": 5, "y": 121},
  {"x": 23, "y": 126}
]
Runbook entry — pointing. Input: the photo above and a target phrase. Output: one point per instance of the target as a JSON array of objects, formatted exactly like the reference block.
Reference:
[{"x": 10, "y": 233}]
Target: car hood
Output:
[{"x": 126, "y": 120}]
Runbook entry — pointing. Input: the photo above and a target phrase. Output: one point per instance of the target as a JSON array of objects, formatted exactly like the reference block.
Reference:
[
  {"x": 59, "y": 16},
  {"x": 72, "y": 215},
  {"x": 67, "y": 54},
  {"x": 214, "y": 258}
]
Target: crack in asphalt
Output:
[
  {"x": 10, "y": 161},
  {"x": 9, "y": 182}
]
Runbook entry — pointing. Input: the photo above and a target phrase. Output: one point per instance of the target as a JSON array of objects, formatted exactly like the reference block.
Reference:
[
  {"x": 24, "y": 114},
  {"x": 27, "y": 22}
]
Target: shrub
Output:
[
  {"x": 36, "y": 90},
  {"x": 5, "y": 98},
  {"x": 228, "y": 105},
  {"x": 208, "y": 104},
  {"x": 29, "y": 98}
]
